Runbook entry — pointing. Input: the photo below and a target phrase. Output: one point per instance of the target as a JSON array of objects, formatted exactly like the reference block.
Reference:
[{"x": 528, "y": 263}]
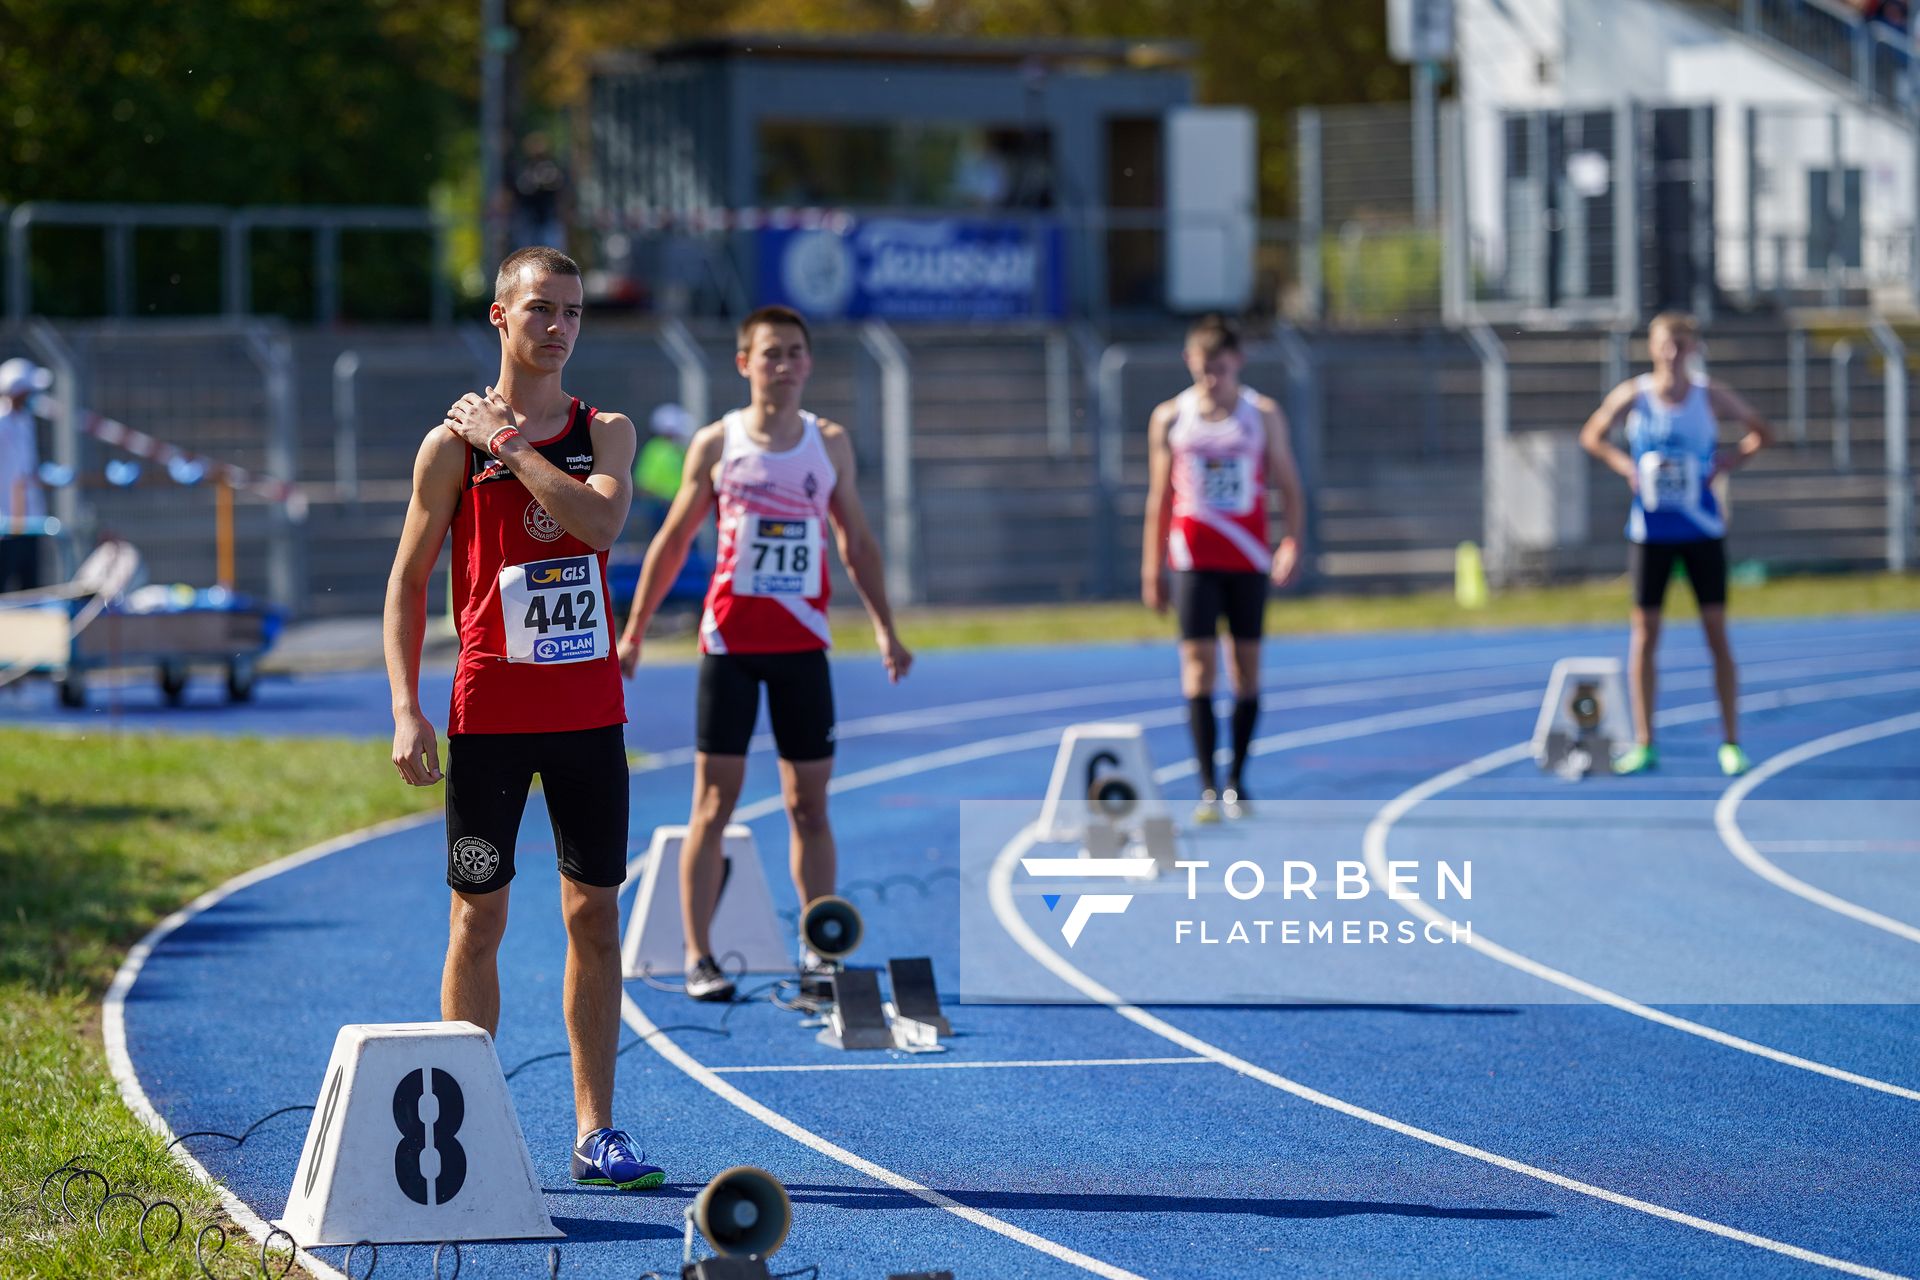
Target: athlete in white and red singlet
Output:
[
  {"x": 534, "y": 487},
  {"x": 1213, "y": 450},
  {"x": 770, "y": 586},
  {"x": 778, "y": 476}
]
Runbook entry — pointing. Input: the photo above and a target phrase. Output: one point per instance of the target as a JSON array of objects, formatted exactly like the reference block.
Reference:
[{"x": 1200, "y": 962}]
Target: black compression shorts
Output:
[
  {"x": 1650, "y": 565},
  {"x": 1201, "y": 597},
  {"x": 799, "y": 703},
  {"x": 583, "y": 774}
]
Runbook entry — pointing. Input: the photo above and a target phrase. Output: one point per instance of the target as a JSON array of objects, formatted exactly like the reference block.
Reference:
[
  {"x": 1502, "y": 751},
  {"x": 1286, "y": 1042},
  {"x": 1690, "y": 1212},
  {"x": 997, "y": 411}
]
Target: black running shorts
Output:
[
  {"x": 583, "y": 774},
  {"x": 1201, "y": 597},
  {"x": 1650, "y": 565},
  {"x": 799, "y": 703}
]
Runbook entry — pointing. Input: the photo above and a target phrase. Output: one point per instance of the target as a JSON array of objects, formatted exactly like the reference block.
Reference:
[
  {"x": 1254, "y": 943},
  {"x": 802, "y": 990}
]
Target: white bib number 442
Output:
[
  {"x": 554, "y": 611},
  {"x": 779, "y": 557}
]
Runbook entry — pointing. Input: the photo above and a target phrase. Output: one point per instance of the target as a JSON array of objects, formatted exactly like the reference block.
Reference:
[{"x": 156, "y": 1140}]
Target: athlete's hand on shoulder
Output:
[
  {"x": 629, "y": 653},
  {"x": 1286, "y": 562},
  {"x": 897, "y": 656},
  {"x": 415, "y": 751},
  {"x": 475, "y": 418},
  {"x": 1153, "y": 588}
]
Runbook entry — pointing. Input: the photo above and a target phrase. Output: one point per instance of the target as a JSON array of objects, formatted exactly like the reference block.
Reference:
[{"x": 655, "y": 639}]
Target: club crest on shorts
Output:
[
  {"x": 474, "y": 860},
  {"x": 540, "y": 525}
]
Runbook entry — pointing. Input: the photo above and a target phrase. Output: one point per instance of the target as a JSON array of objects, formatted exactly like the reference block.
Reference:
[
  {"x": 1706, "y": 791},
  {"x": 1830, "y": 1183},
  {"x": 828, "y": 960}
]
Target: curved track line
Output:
[
  {"x": 113, "y": 1020},
  {"x": 1374, "y": 847},
  {"x": 1726, "y": 821},
  {"x": 126, "y": 1077},
  {"x": 673, "y": 1052},
  {"x": 1294, "y": 677},
  {"x": 999, "y": 888},
  {"x": 698, "y": 1071}
]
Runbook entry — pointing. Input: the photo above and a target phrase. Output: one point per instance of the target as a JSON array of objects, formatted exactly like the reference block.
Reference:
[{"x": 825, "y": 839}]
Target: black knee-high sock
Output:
[
  {"x": 1200, "y": 721},
  {"x": 1246, "y": 714}
]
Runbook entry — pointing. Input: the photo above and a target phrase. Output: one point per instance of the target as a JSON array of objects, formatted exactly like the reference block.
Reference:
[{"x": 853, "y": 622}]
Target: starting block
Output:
[
  {"x": 1582, "y": 719},
  {"x": 857, "y": 1020},
  {"x": 1102, "y": 776},
  {"x": 414, "y": 1140},
  {"x": 915, "y": 1014},
  {"x": 743, "y": 920}
]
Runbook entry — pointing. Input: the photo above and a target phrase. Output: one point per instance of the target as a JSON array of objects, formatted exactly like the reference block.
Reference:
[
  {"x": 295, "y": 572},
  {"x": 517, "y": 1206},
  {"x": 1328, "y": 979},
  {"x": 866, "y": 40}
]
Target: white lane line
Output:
[
  {"x": 636, "y": 1018},
  {"x": 1726, "y": 820},
  {"x": 1036, "y": 739},
  {"x": 1468, "y": 670},
  {"x": 127, "y": 1078},
  {"x": 711, "y": 1078},
  {"x": 1481, "y": 661},
  {"x": 1837, "y": 846},
  {"x": 1784, "y": 669},
  {"x": 998, "y": 884},
  {"x": 958, "y": 1066},
  {"x": 1374, "y": 847},
  {"x": 113, "y": 1020}
]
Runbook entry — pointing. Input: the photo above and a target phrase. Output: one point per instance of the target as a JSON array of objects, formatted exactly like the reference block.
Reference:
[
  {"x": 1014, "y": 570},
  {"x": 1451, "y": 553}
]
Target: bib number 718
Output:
[{"x": 786, "y": 559}]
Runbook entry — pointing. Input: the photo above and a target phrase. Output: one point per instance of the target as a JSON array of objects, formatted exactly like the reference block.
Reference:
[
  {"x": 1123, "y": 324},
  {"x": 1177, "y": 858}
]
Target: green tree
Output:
[{"x": 229, "y": 101}]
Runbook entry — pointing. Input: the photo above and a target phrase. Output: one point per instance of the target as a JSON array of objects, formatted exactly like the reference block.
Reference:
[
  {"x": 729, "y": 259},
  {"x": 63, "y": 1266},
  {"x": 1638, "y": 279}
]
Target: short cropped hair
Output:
[
  {"x": 550, "y": 261},
  {"x": 773, "y": 315},
  {"x": 1214, "y": 336},
  {"x": 1680, "y": 324}
]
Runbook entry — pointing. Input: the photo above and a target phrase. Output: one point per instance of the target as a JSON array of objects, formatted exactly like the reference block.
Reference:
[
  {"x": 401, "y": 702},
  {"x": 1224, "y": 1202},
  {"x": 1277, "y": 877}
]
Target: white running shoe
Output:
[{"x": 706, "y": 982}]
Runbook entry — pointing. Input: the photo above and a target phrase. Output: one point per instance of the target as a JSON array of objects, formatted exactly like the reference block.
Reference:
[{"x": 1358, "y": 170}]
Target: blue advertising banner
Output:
[{"x": 916, "y": 269}]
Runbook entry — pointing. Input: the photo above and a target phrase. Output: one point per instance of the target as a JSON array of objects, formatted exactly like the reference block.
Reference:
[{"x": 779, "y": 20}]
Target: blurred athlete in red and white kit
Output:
[
  {"x": 778, "y": 476},
  {"x": 1214, "y": 449},
  {"x": 534, "y": 487}
]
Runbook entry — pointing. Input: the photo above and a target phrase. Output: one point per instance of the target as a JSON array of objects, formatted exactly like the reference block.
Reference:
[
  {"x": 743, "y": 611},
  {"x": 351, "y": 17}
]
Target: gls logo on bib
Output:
[{"x": 557, "y": 573}]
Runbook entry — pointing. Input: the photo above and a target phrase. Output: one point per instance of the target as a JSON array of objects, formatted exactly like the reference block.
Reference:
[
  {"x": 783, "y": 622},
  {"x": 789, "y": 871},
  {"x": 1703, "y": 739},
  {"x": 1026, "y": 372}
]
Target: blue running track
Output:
[{"x": 1682, "y": 1063}]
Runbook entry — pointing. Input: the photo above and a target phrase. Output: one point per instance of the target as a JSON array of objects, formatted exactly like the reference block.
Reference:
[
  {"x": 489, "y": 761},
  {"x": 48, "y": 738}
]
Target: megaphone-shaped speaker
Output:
[
  {"x": 831, "y": 927},
  {"x": 743, "y": 1212},
  {"x": 1112, "y": 797}
]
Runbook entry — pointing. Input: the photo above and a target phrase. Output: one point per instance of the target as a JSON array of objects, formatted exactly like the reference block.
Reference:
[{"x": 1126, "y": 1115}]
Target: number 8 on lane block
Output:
[{"x": 414, "y": 1140}]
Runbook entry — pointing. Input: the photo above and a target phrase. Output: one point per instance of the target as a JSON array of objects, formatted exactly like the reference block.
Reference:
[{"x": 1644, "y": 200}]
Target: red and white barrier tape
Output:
[{"x": 141, "y": 445}]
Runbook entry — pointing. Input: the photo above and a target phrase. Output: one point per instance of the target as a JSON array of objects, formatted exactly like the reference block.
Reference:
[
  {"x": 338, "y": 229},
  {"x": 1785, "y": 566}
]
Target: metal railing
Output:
[
  {"x": 896, "y": 466},
  {"x": 1495, "y": 411},
  {"x": 1871, "y": 56},
  {"x": 1899, "y": 475},
  {"x": 119, "y": 222}
]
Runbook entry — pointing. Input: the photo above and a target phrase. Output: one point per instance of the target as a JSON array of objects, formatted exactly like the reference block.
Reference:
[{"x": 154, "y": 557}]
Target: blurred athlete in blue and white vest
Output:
[{"x": 1673, "y": 454}]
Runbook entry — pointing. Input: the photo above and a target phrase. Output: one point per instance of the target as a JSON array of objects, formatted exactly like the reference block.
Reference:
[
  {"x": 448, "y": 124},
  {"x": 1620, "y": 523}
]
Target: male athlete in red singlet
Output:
[
  {"x": 1214, "y": 449},
  {"x": 534, "y": 487},
  {"x": 779, "y": 476}
]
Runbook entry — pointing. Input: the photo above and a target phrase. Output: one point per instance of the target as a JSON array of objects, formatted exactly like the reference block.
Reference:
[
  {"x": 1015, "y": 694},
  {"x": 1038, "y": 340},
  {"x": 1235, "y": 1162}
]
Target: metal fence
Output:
[
  {"x": 210, "y": 389},
  {"x": 1829, "y": 207},
  {"x": 1364, "y": 254},
  {"x": 232, "y": 263}
]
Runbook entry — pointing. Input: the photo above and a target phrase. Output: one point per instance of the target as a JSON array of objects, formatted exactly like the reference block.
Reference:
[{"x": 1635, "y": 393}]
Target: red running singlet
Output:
[
  {"x": 530, "y": 602},
  {"x": 770, "y": 584},
  {"x": 1219, "y": 488}
]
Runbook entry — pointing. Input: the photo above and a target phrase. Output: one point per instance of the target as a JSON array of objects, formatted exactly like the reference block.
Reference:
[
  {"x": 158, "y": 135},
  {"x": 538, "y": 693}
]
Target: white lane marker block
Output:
[
  {"x": 1102, "y": 776},
  {"x": 744, "y": 922},
  {"x": 414, "y": 1139},
  {"x": 1582, "y": 718}
]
